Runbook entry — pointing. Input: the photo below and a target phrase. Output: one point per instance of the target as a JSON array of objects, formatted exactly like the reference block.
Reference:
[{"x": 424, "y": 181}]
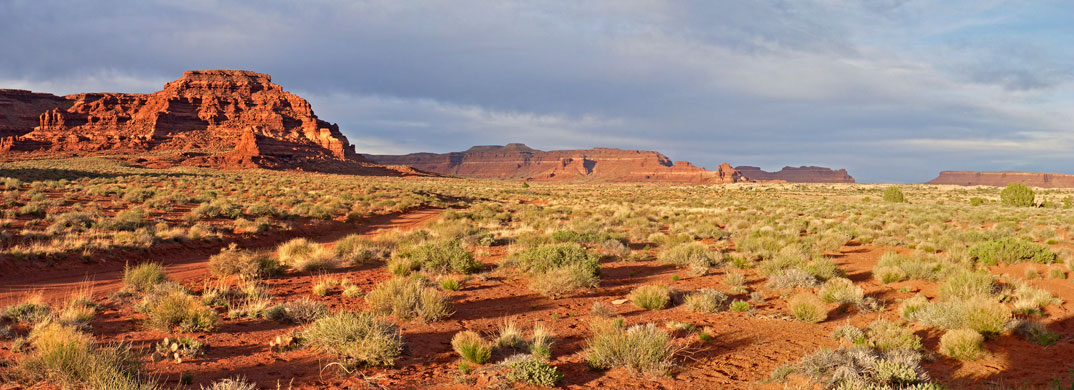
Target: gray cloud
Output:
[{"x": 892, "y": 90}]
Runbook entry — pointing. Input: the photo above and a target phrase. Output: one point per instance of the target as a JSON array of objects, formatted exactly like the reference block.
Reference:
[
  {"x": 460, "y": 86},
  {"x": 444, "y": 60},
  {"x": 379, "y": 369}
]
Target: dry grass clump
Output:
[
  {"x": 791, "y": 278},
  {"x": 842, "y": 291},
  {"x": 692, "y": 254},
  {"x": 706, "y": 300},
  {"x": 962, "y": 344},
  {"x": 143, "y": 277},
  {"x": 63, "y": 355},
  {"x": 471, "y": 346},
  {"x": 358, "y": 339},
  {"x": 640, "y": 348},
  {"x": 983, "y": 315},
  {"x": 407, "y": 299},
  {"x": 31, "y": 310},
  {"x": 243, "y": 263},
  {"x": 300, "y": 311},
  {"x": 885, "y": 336},
  {"x": 357, "y": 250},
  {"x": 1036, "y": 333},
  {"x": 304, "y": 255},
  {"x": 651, "y": 296},
  {"x": 965, "y": 284},
  {"x": 863, "y": 368},
  {"x": 170, "y": 305},
  {"x": 807, "y": 307},
  {"x": 236, "y": 383}
]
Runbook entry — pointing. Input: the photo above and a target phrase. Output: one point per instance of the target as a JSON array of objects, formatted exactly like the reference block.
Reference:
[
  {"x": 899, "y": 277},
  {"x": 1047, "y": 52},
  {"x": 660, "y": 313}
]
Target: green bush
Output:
[
  {"x": 535, "y": 371},
  {"x": 358, "y": 339},
  {"x": 651, "y": 296},
  {"x": 739, "y": 306},
  {"x": 1017, "y": 195},
  {"x": 548, "y": 257},
  {"x": 170, "y": 305},
  {"x": 470, "y": 346},
  {"x": 357, "y": 250},
  {"x": 1011, "y": 250},
  {"x": 894, "y": 195}
]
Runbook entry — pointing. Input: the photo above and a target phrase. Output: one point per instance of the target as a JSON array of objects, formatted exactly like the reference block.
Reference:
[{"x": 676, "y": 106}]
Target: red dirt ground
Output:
[{"x": 745, "y": 349}]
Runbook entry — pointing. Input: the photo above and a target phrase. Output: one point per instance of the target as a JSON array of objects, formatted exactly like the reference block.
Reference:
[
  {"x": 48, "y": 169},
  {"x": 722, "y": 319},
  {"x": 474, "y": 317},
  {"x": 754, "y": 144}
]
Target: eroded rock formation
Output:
[
  {"x": 1000, "y": 179},
  {"x": 239, "y": 118},
  {"x": 518, "y": 161},
  {"x": 804, "y": 174}
]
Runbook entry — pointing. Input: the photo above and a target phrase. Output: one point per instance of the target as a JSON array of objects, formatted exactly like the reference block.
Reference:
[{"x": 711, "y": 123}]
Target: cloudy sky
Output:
[{"x": 892, "y": 90}]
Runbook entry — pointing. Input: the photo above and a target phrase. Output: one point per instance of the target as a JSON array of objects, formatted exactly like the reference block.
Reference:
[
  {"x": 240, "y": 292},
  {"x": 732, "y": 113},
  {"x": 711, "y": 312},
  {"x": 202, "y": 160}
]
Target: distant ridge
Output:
[
  {"x": 803, "y": 174},
  {"x": 1003, "y": 178}
]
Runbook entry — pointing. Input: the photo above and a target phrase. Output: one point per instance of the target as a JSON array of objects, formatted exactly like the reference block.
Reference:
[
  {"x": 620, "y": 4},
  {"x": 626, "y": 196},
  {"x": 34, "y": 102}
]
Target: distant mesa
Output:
[
  {"x": 803, "y": 174},
  {"x": 1003, "y": 178},
  {"x": 220, "y": 118},
  {"x": 520, "y": 162}
]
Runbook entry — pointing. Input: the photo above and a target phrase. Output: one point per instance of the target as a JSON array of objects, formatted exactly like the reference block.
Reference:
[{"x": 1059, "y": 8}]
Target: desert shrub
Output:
[
  {"x": 983, "y": 315},
  {"x": 471, "y": 346},
  {"x": 442, "y": 256},
  {"x": 966, "y": 284},
  {"x": 406, "y": 299},
  {"x": 693, "y": 254},
  {"x": 888, "y": 274},
  {"x": 143, "y": 277},
  {"x": 127, "y": 220},
  {"x": 908, "y": 309},
  {"x": 885, "y": 335},
  {"x": 244, "y": 263},
  {"x": 894, "y": 267},
  {"x": 356, "y": 250},
  {"x": 841, "y": 290},
  {"x": 1036, "y": 333},
  {"x": 640, "y": 348},
  {"x": 1028, "y": 299},
  {"x": 531, "y": 370},
  {"x": 358, "y": 339},
  {"x": 864, "y": 368},
  {"x": 218, "y": 208},
  {"x": 851, "y": 334},
  {"x": 301, "y": 311},
  {"x": 31, "y": 310},
  {"x": 303, "y": 255},
  {"x": 962, "y": 344},
  {"x": 71, "y": 222},
  {"x": 237, "y": 383},
  {"x": 651, "y": 296},
  {"x": 1011, "y": 250},
  {"x": 170, "y": 305},
  {"x": 1017, "y": 195},
  {"x": 450, "y": 284},
  {"x": 564, "y": 280},
  {"x": 807, "y": 307},
  {"x": 894, "y": 195},
  {"x": 705, "y": 300}
]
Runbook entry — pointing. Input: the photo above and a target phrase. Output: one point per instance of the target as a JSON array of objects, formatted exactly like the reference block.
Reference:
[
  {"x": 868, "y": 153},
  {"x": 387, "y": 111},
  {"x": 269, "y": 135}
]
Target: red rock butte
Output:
[
  {"x": 520, "y": 162},
  {"x": 1000, "y": 179},
  {"x": 222, "y": 118}
]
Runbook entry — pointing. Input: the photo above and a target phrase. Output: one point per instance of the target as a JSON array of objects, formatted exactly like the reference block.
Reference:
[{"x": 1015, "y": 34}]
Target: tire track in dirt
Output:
[{"x": 188, "y": 264}]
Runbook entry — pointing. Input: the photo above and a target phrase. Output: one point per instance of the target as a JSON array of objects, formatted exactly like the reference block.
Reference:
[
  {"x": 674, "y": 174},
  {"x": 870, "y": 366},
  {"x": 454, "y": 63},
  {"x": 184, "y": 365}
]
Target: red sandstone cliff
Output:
[
  {"x": 805, "y": 174},
  {"x": 242, "y": 113},
  {"x": 1000, "y": 179},
  {"x": 518, "y": 161}
]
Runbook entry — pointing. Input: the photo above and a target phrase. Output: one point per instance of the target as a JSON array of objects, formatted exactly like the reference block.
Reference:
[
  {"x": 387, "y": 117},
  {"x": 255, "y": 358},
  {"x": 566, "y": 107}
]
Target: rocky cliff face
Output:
[
  {"x": 1000, "y": 179},
  {"x": 805, "y": 174},
  {"x": 239, "y": 112},
  {"x": 518, "y": 161}
]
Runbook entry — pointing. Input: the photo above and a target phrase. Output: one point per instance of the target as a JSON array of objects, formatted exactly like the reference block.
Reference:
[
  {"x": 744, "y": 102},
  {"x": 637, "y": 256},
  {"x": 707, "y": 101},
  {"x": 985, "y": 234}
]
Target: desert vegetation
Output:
[{"x": 340, "y": 280}]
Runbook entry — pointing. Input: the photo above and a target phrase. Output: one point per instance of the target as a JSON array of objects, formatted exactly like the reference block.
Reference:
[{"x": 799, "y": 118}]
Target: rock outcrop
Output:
[
  {"x": 804, "y": 174},
  {"x": 239, "y": 118},
  {"x": 1000, "y": 179},
  {"x": 520, "y": 162}
]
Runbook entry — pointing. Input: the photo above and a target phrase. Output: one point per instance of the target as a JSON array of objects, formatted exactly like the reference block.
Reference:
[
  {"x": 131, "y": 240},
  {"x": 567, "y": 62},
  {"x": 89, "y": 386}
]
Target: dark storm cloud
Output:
[{"x": 892, "y": 90}]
